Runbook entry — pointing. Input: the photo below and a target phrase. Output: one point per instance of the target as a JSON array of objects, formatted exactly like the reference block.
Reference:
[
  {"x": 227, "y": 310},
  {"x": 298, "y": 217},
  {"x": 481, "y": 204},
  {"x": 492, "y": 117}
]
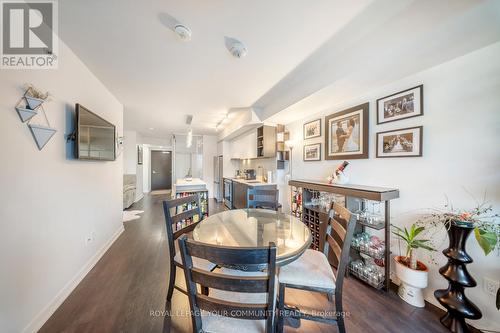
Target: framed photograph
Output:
[
  {"x": 312, "y": 152},
  {"x": 312, "y": 129},
  {"x": 139, "y": 155},
  {"x": 347, "y": 134},
  {"x": 405, "y": 142},
  {"x": 404, "y": 104}
]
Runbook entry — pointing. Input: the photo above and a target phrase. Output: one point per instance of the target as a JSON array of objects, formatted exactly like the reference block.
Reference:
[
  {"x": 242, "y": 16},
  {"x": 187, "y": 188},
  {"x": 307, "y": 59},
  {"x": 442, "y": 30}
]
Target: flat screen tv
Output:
[{"x": 95, "y": 137}]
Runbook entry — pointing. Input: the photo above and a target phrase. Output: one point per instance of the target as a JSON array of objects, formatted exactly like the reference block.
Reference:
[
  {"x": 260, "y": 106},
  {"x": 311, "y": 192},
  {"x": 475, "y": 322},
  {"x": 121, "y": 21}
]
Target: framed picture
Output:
[
  {"x": 312, "y": 129},
  {"x": 139, "y": 155},
  {"x": 312, "y": 152},
  {"x": 347, "y": 134},
  {"x": 405, "y": 142},
  {"x": 404, "y": 104}
]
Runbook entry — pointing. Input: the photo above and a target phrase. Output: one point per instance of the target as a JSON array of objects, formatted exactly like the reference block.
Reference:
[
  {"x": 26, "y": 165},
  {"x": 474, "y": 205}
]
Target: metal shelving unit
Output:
[{"x": 316, "y": 218}]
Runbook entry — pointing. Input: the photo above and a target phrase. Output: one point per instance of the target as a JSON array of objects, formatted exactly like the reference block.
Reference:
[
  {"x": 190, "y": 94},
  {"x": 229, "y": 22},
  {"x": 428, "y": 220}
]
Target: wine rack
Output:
[{"x": 316, "y": 218}]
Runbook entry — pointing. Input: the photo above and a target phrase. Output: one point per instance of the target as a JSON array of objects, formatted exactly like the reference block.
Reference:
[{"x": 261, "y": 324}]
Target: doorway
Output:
[{"x": 161, "y": 170}]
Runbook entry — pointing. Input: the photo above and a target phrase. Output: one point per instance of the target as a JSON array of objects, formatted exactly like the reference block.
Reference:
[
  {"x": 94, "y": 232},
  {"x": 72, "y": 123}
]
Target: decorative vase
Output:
[
  {"x": 453, "y": 298},
  {"x": 412, "y": 282}
]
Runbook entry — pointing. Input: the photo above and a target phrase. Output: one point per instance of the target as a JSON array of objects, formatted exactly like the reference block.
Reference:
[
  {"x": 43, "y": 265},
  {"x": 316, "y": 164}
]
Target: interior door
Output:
[{"x": 161, "y": 170}]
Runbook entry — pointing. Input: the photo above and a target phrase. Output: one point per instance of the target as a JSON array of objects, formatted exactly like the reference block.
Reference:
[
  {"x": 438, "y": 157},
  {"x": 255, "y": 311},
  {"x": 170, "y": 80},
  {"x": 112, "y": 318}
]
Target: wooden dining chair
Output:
[
  {"x": 239, "y": 301},
  {"x": 313, "y": 272},
  {"x": 192, "y": 209},
  {"x": 265, "y": 199}
]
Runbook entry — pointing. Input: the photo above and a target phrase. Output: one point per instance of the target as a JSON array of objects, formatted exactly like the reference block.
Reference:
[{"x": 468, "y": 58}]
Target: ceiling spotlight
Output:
[
  {"x": 183, "y": 32},
  {"x": 237, "y": 49}
]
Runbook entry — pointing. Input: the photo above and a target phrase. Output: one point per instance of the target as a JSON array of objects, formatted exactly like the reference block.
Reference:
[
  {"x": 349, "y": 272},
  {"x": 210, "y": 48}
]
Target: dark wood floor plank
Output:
[{"x": 131, "y": 280}]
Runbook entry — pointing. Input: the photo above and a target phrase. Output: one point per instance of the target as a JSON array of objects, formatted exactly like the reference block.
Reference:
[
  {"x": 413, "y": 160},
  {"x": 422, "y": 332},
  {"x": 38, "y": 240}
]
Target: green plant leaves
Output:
[
  {"x": 487, "y": 240},
  {"x": 410, "y": 238}
]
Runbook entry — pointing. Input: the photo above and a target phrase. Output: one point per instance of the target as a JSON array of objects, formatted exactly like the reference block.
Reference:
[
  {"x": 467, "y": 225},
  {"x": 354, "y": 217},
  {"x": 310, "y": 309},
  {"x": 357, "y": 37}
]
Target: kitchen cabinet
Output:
[
  {"x": 258, "y": 143},
  {"x": 240, "y": 192},
  {"x": 266, "y": 141},
  {"x": 239, "y": 195},
  {"x": 244, "y": 146}
]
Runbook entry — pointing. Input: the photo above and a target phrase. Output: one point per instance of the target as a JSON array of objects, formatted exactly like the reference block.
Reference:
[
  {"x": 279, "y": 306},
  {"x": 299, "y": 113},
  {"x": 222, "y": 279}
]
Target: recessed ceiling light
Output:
[{"x": 151, "y": 128}]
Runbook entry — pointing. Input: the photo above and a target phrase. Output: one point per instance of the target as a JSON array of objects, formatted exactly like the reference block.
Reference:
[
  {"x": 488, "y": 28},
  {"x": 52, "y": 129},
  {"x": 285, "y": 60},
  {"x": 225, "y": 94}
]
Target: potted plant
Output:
[
  {"x": 459, "y": 225},
  {"x": 411, "y": 272}
]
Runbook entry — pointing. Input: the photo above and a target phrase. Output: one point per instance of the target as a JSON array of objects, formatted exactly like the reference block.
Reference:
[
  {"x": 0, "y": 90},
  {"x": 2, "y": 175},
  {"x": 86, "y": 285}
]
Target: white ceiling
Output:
[
  {"x": 160, "y": 79},
  {"x": 389, "y": 40},
  {"x": 304, "y": 56}
]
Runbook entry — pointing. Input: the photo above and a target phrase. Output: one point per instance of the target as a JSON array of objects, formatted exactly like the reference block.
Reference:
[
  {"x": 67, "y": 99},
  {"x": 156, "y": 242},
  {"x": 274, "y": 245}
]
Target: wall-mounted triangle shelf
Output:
[
  {"x": 33, "y": 102},
  {"x": 26, "y": 114},
  {"x": 41, "y": 134},
  {"x": 28, "y": 108}
]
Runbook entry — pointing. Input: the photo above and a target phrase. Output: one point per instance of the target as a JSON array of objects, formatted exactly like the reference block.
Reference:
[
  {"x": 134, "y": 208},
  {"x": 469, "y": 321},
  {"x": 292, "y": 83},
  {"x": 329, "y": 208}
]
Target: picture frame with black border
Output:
[
  {"x": 314, "y": 126},
  {"x": 312, "y": 152},
  {"x": 404, "y": 104},
  {"x": 401, "y": 142}
]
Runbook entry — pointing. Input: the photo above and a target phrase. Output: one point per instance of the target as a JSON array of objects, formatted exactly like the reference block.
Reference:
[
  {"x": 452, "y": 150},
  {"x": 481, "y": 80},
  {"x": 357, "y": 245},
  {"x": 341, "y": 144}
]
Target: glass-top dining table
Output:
[{"x": 256, "y": 228}]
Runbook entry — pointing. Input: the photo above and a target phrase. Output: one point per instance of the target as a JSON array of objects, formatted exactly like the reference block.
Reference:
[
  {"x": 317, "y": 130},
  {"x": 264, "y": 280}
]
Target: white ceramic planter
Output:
[{"x": 412, "y": 283}]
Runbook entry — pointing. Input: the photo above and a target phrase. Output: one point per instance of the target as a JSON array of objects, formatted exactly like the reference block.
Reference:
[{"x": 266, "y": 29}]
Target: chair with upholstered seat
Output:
[
  {"x": 263, "y": 198},
  {"x": 183, "y": 222},
  {"x": 312, "y": 271},
  {"x": 240, "y": 301}
]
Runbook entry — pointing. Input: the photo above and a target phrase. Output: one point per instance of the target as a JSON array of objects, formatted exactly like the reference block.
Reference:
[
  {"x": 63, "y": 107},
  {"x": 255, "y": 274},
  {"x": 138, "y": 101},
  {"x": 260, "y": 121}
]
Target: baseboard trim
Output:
[
  {"x": 36, "y": 324},
  {"x": 434, "y": 308}
]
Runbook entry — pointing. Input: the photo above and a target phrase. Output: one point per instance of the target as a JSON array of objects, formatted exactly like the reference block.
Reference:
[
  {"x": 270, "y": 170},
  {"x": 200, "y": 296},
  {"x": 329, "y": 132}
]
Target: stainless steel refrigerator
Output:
[{"x": 218, "y": 182}]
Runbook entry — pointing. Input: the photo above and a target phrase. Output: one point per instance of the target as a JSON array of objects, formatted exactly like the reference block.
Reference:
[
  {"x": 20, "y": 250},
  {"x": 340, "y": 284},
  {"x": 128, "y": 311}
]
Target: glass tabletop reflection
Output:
[{"x": 256, "y": 228}]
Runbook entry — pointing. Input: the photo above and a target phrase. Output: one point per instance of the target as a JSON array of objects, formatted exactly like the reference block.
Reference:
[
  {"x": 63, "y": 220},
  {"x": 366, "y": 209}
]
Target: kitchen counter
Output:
[
  {"x": 240, "y": 188},
  {"x": 251, "y": 183},
  {"x": 196, "y": 184}
]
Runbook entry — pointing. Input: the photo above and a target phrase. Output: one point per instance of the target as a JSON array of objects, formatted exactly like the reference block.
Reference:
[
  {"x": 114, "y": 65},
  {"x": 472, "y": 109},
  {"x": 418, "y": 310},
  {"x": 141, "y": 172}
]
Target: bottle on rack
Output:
[
  {"x": 341, "y": 168},
  {"x": 299, "y": 205}
]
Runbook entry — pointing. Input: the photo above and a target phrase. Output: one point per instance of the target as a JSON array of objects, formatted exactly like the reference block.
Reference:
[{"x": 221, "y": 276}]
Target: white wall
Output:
[
  {"x": 139, "y": 192},
  {"x": 229, "y": 166},
  {"x": 209, "y": 152},
  {"x": 50, "y": 202},
  {"x": 131, "y": 142},
  {"x": 460, "y": 150},
  {"x": 129, "y": 152}
]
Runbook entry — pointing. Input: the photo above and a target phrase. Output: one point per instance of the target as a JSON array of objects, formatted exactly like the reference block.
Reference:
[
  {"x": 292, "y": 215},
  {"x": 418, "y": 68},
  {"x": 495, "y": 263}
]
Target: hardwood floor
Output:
[{"x": 126, "y": 292}]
